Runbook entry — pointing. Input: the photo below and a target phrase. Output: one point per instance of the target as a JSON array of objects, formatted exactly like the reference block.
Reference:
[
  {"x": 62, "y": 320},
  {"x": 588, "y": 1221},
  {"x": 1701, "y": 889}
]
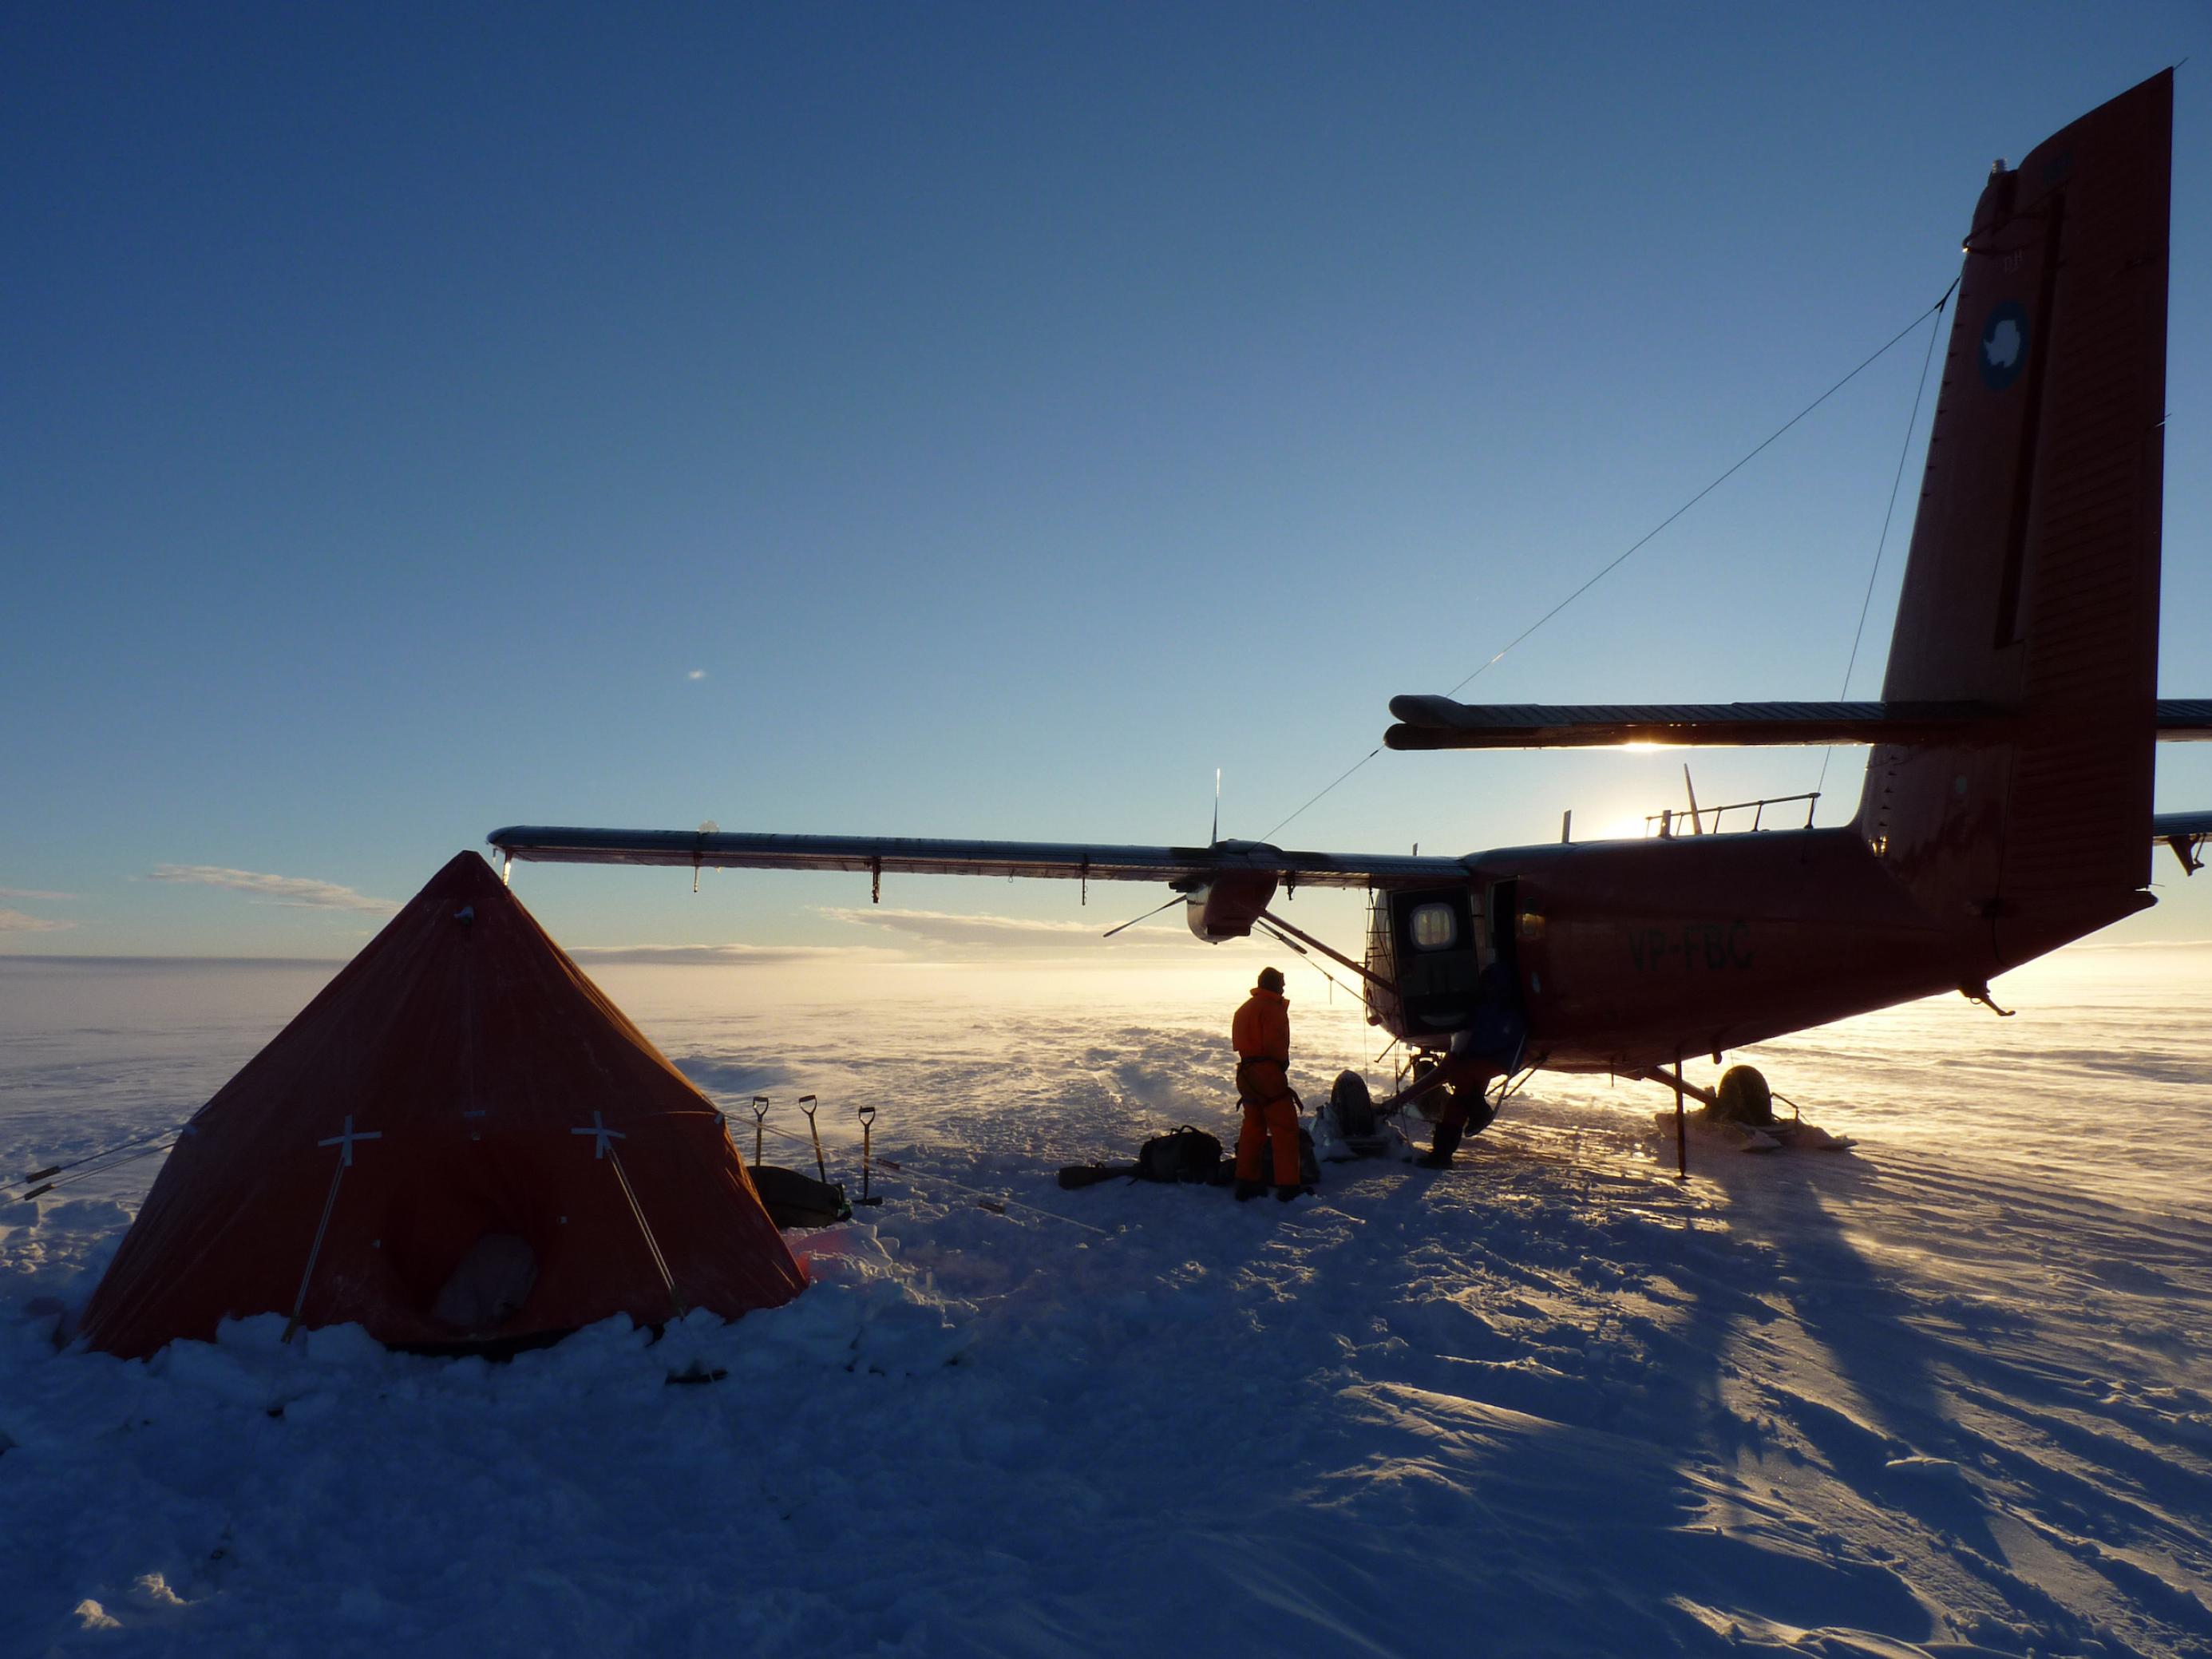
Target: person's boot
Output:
[
  {"x": 1287, "y": 1194},
  {"x": 1248, "y": 1189},
  {"x": 1439, "y": 1155}
]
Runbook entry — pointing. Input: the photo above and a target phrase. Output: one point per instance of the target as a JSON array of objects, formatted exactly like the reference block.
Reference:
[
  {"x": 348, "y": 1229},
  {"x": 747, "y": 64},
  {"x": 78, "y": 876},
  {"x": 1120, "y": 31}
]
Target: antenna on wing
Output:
[{"x": 1214, "y": 840}]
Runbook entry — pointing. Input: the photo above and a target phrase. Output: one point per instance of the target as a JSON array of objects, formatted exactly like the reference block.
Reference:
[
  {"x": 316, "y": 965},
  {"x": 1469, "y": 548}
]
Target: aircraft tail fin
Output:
[{"x": 2032, "y": 582}]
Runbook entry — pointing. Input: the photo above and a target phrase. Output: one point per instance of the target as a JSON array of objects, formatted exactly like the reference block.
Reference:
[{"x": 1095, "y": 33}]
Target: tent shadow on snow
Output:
[{"x": 461, "y": 1143}]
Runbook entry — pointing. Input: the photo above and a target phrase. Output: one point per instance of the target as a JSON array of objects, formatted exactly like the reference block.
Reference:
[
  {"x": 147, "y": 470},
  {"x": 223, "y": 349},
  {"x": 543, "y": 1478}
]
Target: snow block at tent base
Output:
[{"x": 460, "y": 1142}]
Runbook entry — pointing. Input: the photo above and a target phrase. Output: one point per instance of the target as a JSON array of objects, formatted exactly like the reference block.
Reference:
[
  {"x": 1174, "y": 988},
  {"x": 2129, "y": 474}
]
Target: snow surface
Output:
[{"x": 1947, "y": 1392}]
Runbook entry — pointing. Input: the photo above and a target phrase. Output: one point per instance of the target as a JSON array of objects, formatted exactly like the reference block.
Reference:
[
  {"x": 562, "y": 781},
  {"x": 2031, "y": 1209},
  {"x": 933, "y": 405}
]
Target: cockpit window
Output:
[{"x": 1435, "y": 927}]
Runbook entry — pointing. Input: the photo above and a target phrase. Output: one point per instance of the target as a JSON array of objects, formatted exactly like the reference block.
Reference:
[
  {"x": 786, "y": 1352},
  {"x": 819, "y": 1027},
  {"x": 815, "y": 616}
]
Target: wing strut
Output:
[{"x": 1333, "y": 954}]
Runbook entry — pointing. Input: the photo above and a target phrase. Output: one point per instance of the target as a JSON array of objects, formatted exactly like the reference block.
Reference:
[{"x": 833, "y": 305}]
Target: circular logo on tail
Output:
[{"x": 2004, "y": 344}]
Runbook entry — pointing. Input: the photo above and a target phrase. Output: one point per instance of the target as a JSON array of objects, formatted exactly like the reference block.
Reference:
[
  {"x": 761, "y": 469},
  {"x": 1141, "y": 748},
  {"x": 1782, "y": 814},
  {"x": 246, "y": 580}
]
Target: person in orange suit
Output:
[{"x": 1262, "y": 1032}]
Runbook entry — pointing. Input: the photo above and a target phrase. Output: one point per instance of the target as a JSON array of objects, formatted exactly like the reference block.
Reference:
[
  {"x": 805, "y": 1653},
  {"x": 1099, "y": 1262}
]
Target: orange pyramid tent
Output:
[{"x": 461, "y": 1141}]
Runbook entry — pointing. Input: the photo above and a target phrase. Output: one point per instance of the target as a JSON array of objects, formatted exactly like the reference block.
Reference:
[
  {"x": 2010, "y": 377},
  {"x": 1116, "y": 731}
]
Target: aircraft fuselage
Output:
[{"x": 1628, "y": 953}]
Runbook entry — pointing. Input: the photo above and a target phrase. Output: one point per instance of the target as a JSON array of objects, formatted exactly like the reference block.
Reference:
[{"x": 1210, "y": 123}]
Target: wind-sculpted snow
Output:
[{"x": 1946, "y": 1393}]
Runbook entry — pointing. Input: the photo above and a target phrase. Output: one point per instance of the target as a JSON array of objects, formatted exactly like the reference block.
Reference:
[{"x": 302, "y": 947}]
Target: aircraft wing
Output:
[
  {"x": 1440, "y": 723},
  {"x": 915, "y": 856}
]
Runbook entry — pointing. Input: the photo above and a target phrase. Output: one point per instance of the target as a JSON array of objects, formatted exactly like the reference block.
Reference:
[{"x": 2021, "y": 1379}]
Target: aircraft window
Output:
[{"x": 1435, "y": 927}]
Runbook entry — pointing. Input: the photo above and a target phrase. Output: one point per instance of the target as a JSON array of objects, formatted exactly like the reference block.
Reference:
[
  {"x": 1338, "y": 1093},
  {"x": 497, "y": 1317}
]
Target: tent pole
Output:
[
  {"x": 343, "y": 1141},
  {"x": 300, "y": 1302}
]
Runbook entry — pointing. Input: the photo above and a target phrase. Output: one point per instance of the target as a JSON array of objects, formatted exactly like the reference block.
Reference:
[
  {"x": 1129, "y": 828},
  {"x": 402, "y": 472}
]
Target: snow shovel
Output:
[
  {"x": 806, "y": 1105},
  {"x": 867, "y": 1146},
  {"x": 760, "y": 1119}
]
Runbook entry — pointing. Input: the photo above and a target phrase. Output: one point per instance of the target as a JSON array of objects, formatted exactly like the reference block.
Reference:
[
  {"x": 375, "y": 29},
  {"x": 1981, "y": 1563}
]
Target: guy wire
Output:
[
  {"x": 1904, "y": 452},
  {"x": 1749, "y": 457},
  {"x": 1641, "y": 541}
]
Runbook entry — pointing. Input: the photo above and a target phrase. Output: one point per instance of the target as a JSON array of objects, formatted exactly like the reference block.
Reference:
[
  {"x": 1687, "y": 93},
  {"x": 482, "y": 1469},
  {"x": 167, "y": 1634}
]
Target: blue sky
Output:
[{"x": 954, "y": 421}]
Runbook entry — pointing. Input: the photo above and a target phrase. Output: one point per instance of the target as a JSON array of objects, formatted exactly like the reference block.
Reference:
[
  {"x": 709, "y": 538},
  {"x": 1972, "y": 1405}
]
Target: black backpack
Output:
[{"x": 1183, "y": 1154}]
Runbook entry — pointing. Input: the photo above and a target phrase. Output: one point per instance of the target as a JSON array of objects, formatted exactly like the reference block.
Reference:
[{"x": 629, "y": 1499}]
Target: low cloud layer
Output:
[
  {"x": 301, "y": 890},
  {"x": 725, "y": 955},
  {"x": 14, "y": 922},
  {"x": 2141, "y": 944},
  {"x": 1015, "y": 932}
]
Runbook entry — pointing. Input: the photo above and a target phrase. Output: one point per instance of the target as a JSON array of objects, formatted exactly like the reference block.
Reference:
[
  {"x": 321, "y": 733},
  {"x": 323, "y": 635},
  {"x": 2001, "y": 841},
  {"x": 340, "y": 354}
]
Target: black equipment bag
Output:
[
  {"x": 1183, "y": 1154},
  {"x": 793, "y": 1200},
  {"x": 1074, "y": 1176}
]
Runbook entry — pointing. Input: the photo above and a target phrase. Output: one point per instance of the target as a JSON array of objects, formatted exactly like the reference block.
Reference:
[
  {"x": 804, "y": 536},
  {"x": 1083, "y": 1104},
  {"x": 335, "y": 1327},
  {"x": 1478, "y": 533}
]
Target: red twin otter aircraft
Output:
[{"x": 2007, "y": 805}]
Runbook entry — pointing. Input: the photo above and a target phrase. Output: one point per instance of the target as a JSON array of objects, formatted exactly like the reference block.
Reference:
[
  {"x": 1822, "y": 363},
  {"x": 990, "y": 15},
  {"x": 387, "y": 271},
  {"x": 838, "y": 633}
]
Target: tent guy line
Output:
[{"x": 52, "y": 1169}]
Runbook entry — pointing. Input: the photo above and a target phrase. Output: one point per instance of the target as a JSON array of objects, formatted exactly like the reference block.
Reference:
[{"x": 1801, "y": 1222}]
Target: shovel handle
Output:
[{"x": 808, "y": 1105}]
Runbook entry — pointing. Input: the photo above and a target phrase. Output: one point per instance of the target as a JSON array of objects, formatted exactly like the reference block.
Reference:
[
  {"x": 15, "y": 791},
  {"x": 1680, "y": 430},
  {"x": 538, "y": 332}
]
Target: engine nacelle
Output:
[{"x": 1226, "y": 907}]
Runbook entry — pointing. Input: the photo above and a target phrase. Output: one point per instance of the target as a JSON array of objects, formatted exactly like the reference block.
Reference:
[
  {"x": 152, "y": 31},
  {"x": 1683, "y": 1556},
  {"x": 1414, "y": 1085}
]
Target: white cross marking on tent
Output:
[
  {"x": 345, "y": 1142},
  {"x": 601, "y": 1136}
]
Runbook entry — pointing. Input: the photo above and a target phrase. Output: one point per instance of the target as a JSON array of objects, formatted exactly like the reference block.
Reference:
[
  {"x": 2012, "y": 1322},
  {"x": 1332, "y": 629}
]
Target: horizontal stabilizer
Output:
[
  {"x": 1439, "y": 723},
  {"x": 2184, "y": 719},
  {"x": 916, "y": 855},
  {"x": 2187, "y": 833}
]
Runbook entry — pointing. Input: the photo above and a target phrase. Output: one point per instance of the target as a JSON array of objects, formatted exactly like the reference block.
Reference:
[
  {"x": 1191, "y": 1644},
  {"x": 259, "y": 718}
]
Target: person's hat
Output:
[{"x": 1271, "y": 979}]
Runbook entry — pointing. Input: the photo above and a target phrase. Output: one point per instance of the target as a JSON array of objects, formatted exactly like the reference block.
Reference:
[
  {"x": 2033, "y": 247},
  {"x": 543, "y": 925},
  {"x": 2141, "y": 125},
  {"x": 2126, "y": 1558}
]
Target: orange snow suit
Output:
[{"x": 1262, "y": 1032}]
